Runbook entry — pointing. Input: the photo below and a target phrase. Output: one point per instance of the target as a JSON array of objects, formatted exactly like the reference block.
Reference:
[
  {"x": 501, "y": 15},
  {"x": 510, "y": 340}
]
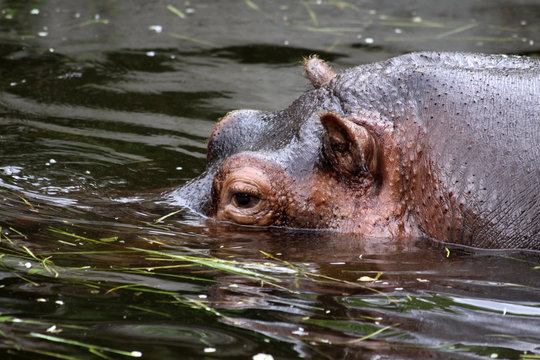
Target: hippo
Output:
[{"x": 432, "y": 145}]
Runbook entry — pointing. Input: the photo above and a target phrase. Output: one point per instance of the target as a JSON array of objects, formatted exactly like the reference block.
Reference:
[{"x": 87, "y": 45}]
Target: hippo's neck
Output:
[{"x": 466, "y": 129}]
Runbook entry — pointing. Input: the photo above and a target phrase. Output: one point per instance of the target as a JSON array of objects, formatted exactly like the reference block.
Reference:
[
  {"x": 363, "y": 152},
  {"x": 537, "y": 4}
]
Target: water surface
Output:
[{"x": 106, "y": 104}]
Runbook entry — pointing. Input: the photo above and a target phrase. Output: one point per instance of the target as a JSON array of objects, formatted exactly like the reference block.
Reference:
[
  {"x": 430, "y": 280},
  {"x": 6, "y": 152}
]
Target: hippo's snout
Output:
[{"x": 239, "y": 130}]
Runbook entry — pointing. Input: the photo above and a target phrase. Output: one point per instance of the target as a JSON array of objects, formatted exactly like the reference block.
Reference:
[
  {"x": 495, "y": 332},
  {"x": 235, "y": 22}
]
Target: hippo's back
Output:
[{"x": 477, "y": 139}]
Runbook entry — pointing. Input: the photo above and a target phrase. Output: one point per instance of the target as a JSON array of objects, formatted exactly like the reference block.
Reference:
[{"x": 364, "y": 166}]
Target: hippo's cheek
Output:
[{"x": 318, "y": 201}]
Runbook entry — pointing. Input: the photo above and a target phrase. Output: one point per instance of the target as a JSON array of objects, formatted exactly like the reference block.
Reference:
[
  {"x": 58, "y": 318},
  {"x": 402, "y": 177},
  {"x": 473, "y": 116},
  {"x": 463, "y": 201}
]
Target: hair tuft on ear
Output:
[{"x": 318, "y": 71}]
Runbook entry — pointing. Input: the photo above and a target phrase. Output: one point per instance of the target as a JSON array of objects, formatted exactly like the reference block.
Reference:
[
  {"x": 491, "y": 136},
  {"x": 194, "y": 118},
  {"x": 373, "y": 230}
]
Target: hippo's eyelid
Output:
[{"x": 244, "y": 188}]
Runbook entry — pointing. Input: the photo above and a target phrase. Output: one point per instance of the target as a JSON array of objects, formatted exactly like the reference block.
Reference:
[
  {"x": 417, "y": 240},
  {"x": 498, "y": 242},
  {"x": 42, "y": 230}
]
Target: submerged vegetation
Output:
[
  {"x": 162, "y": 265},
  {"x": 223, "y": 287}
]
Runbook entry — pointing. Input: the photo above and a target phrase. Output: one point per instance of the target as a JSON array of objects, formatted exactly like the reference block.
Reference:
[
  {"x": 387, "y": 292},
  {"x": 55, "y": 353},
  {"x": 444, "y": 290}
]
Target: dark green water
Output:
[{"x": 105, "y": 104}]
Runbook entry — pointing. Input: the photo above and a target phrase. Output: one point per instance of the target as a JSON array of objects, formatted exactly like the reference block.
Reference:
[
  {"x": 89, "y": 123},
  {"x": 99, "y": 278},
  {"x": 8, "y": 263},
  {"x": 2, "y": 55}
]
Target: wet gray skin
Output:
[
  {"x": 291, "y": 137},
  {"x": 461, "y": 131}
]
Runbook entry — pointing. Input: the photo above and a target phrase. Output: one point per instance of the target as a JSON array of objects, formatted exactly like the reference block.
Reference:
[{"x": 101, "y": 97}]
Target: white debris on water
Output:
[
  {"x": 157, "y": 28},
  {"x": 10, "y": 170},
  {"x": 262, "y": 356},
  {"x": 300, "y": 332},
  {"x": 53, "y": 329}
]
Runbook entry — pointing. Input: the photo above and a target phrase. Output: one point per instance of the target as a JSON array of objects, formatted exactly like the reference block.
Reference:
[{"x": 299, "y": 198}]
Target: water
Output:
[{"x": 105, "y": 104}]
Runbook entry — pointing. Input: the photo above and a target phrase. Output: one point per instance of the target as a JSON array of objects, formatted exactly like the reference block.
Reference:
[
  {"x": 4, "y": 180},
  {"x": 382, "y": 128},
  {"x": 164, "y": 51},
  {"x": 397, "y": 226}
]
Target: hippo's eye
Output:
[
  {"x": 244, "y": 196},
  {"x": 244, "y": 200}
]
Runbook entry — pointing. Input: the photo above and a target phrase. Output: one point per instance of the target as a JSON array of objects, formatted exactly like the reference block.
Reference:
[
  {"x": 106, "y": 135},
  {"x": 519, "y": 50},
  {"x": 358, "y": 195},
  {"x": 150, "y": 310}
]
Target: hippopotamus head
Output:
[
  {"x": 313, "y": 165},
  {"x": 443, "y": 145}
]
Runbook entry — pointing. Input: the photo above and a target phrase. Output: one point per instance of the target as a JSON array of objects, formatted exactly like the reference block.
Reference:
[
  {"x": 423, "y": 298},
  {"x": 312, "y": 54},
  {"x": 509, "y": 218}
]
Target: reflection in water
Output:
[{"x": 99, "y": 112}]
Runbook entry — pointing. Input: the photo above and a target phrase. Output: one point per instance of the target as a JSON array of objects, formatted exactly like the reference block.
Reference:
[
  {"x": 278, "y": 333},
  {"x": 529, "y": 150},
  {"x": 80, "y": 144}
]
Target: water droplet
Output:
[
  {"x": 369, "y": 40},
  {"x": 34, "y": 11}
]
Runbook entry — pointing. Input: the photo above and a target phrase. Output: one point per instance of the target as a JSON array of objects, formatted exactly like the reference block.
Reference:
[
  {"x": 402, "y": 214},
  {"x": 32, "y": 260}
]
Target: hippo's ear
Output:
[
  {"x": 350, "y": 147},
  {"x": 318, "y": 72}
]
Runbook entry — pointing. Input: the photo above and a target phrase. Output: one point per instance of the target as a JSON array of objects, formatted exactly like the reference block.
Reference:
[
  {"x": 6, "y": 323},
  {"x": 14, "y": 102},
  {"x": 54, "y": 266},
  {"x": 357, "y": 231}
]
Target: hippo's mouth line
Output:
[{"x": 272, "y": 228}]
